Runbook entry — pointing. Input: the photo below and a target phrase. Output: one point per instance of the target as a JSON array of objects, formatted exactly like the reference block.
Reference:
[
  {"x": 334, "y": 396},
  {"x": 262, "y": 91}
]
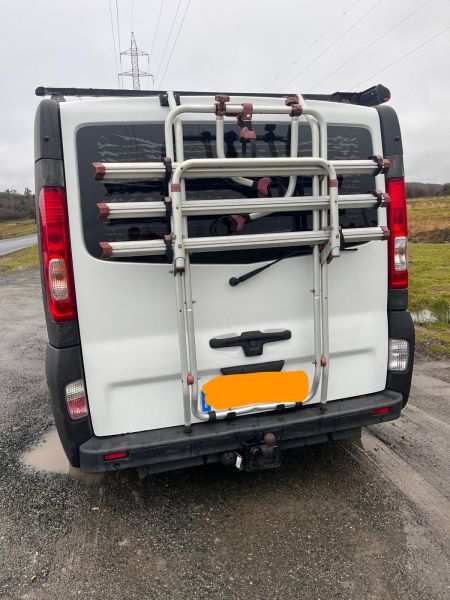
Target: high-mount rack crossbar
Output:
[
  {"x": 325, "y": 238},
  {"x": 152, "y": 209},
  {"x": 265, "y": 166},
  {"x": 255, "y": 241}
]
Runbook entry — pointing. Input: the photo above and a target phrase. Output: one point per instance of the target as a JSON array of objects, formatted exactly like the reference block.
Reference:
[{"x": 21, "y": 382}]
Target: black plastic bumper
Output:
[{"x": 172, "y": 448}]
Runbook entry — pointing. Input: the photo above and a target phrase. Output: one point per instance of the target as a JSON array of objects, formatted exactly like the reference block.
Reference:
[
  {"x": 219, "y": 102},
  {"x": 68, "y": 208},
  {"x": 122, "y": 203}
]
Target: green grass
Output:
[
  {"x": 429, "y": 289},
  {"x": 11, "y": 229},
  {"x": 429, "y": 271},
  {"x": 26, "y": 258}
]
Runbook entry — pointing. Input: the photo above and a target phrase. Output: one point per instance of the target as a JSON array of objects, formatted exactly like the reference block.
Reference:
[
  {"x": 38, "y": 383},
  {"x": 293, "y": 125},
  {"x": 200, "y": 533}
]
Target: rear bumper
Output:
[{"x": 173, "y": 448}]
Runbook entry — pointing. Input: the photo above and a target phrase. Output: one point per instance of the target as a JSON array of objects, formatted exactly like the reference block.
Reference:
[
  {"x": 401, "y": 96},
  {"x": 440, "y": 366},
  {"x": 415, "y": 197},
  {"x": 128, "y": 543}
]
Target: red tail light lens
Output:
[
  {"x": 115, "y": 456},
  {"x": 56, "y": 256},
  {"x": 381, "y": 411},
  {"x": 398, "y": 226}
]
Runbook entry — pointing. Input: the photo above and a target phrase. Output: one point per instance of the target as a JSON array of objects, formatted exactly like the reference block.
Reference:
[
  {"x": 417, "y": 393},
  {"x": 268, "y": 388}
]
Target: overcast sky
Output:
[{"x": 233, "y": 45}]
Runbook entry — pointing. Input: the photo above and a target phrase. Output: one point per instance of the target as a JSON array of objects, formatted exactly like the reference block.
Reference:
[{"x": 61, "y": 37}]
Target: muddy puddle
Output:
[{"x": 48, "y": 457}]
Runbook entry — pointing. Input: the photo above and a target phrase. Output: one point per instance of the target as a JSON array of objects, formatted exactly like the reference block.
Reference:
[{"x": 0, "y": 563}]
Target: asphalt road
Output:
[
  {"x": 17, "y": 243},
  {"x": 351, "y": 520}
]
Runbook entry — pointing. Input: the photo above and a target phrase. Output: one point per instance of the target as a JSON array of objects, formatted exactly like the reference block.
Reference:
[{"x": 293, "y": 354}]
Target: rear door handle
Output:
[{"x": 252, "y": 342}]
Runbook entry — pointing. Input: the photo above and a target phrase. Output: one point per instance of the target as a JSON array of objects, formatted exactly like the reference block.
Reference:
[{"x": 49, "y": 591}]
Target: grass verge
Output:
[
  {"x": 433, "y": 339},
  {"x": 429, "y": 219},
  {"x": 429, "y": 289},
  {"x": 25, "y": 258},
  {"x": 429, "y": 270},
  {"x": 11, "y": 229}
]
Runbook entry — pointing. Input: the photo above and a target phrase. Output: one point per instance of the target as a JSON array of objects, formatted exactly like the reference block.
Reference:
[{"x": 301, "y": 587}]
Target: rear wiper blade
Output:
[{"x": 234, "y": 281}]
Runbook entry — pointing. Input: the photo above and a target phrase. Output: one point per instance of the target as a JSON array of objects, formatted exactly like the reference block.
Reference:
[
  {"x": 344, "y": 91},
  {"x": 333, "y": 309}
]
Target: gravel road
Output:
[
  {"x": 17, "y": 243},
  {"x": 365, "y": 519}
]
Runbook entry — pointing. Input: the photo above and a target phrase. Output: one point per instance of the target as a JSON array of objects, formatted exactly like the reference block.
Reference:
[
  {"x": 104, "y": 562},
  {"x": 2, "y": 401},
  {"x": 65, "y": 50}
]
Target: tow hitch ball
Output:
[{"x": 255, "y": 456}]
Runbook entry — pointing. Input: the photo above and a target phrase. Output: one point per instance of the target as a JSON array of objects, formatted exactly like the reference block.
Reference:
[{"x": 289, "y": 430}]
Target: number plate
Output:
[{"x": 232, "y": 391}]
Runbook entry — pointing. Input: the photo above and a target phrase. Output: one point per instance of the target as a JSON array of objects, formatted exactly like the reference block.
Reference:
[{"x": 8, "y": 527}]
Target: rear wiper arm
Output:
[{"x": 234, "y": 281}]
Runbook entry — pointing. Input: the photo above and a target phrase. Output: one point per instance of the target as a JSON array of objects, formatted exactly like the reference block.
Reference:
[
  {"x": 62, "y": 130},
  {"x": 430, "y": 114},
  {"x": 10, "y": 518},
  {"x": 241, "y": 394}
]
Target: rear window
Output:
[{"x": 135, "y": 143}]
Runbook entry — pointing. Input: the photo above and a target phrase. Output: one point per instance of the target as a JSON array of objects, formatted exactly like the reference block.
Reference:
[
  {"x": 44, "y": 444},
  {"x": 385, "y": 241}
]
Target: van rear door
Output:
[{"x": 126, "y": 307}]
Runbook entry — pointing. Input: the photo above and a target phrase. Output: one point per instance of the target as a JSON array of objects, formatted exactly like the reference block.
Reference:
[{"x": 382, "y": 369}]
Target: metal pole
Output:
[
  {"x": 189, "y": 309},
  {"x": 317, "y": 288},
  {"x": 226, "y": 206},
  {"x": 267, "y": 166},
  {"x": 325, "y": 358},
  {"x": 179, "y": 276},
  {"x": 241, "y": 242}
]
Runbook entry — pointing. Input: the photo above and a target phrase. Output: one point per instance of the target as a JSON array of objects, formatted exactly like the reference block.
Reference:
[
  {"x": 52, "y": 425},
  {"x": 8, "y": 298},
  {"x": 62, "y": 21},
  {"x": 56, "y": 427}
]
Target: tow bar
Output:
[{"x": 255, "y": 457}]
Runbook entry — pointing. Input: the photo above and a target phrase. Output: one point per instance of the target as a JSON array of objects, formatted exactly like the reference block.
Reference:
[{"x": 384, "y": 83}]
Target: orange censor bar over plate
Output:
[{"x": 232, "y": 391}]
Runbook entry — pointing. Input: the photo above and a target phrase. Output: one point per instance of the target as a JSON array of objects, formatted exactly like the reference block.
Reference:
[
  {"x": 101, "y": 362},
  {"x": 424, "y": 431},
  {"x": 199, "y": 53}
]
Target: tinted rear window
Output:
[{"x": 136, "y": 143}]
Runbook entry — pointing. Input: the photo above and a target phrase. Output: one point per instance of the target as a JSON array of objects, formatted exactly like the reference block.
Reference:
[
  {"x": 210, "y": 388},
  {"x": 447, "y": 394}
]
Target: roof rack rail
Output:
[
  {"x": 377, "y": 94},
  {"x": 72, "y": 91}
]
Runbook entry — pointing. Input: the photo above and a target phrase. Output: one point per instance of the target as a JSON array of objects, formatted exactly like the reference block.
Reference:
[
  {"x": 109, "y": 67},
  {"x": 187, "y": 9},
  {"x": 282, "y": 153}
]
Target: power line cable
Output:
[
  {"x": 156, "y": 31},
  {"x": 366, "y": 14},
  {"x": 114, "y": 43},
  {"x": 118, "y": 36},
  {"x": 118, "y": 27},
  {"x": 175, "y": 43},
  {"x": 357, "y": 54},
  {"x": 167, "y": 40},
  {"x": 316, "y": 41},
  {"x": 427, "y": 41}
]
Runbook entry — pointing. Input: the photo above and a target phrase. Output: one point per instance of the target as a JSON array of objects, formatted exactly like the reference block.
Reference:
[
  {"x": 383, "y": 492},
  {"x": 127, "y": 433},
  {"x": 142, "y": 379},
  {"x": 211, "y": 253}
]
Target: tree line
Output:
[
  {"x": 420, "y": 190},
  {"x": 16, "y": 206}
]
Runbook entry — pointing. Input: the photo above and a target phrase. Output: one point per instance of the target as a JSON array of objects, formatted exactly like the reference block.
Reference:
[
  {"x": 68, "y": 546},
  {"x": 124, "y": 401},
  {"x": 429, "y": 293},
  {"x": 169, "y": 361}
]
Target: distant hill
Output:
[{"x": 14, "y": 205}]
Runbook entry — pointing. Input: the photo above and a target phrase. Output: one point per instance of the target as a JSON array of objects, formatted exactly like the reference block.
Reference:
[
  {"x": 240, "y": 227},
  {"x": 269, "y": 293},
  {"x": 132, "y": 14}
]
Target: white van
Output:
[{"x": 224, "y": 276}]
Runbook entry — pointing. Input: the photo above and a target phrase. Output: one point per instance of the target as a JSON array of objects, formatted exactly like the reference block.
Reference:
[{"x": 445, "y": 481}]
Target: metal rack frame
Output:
[{"x": 325, "y": 237}]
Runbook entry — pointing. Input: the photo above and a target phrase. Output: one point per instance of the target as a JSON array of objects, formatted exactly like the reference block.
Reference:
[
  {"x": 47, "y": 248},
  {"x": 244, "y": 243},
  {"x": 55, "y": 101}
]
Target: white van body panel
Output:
[{"x": 127, "y": 313}]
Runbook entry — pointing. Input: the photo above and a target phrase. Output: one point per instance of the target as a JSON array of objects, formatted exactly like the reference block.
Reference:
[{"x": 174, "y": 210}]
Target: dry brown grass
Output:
[
  {"x": 11, "y": 229},
  {"x": 22, "y": 259},
  {"x": 429, "y": 219}
]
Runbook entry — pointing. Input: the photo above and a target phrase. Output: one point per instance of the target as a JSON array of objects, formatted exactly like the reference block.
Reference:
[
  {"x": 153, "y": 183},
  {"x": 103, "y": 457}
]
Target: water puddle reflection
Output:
[{"x": 48, "y": 456}]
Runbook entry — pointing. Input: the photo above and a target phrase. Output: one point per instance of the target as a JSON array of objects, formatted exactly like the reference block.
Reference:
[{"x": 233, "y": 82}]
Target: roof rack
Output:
[{"x": 377, "y": 94}]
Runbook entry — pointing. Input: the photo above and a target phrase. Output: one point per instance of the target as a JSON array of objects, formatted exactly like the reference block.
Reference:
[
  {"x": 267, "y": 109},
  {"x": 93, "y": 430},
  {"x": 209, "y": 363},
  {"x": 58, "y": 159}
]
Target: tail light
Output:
[
  {"x": 56, "y": 256},
  {"x": 398, "y": 225},
  {"x": 398, "y": 355},
  {"x": 76, "y": 400}
]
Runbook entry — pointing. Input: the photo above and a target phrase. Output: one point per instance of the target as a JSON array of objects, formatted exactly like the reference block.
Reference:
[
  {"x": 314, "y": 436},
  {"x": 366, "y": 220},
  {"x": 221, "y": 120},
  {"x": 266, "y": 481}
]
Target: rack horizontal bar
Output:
[
  {"x": 142, "y": 210},
  {"x": 157, "y": 170},
  {"x": 240, "y": 242}
]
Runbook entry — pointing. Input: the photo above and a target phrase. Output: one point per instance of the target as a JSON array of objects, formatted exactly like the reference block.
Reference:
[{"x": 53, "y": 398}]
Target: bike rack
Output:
[{"x": 325, "y": 237}]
